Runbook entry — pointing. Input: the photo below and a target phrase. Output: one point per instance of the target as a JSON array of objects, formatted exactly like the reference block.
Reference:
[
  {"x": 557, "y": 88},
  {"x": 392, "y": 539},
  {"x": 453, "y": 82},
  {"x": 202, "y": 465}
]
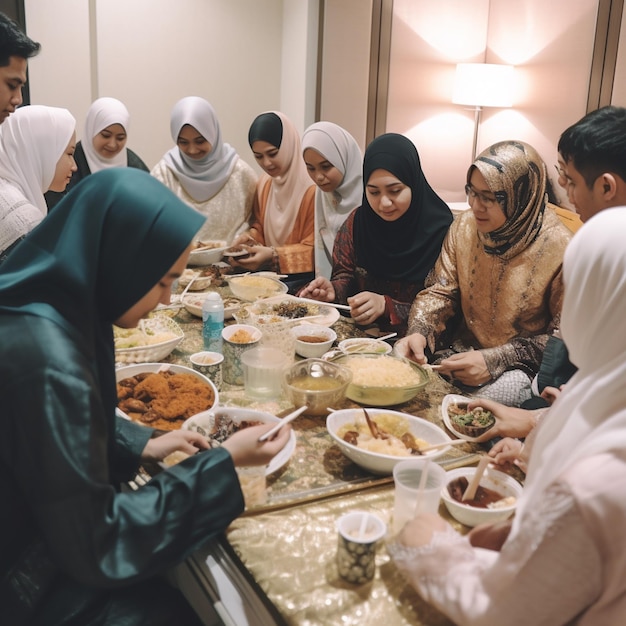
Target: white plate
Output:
[
  {"x": 205, "y": 420},
  {"x": 193, "y": 303},
  {"x": 375, "y": 462},
  {"x": 327, "y": 317},
  {"x": 454, "y": 398}
]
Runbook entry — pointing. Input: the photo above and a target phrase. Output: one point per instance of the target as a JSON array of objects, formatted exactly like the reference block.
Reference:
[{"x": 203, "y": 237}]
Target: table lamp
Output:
[{"x": 482, "y": 85}]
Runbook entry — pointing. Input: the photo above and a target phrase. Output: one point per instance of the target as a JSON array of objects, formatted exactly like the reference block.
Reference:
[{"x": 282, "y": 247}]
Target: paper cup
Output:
[
  {"x": 209, "y": 364},
  {"x": 232, "y": 369},
  {"x": 359, "y": 533}
]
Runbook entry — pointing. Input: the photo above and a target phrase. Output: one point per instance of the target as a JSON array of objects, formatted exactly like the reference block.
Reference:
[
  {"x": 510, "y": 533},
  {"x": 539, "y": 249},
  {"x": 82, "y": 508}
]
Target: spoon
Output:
[
  {"x": 470, "y": 492},
  {"x": 285, "y": 420}
]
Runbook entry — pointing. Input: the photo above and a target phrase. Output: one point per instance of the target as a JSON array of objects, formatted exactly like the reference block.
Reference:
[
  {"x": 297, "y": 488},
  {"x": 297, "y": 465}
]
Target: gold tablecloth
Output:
[{"x": 289, "y": 545}]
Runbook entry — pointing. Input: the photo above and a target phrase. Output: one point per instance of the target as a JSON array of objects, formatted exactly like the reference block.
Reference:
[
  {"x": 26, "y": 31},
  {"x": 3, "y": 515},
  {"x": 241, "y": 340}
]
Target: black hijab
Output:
[
  {"x": 407, "y": 248},
  {"x": 105, "y": 245}
]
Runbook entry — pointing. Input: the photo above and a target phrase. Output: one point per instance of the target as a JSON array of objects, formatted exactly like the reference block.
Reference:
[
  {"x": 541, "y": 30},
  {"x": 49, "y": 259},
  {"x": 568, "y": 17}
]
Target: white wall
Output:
[
  {"x": 244, "y": 56},
  {"x": 549, "y": 43}
]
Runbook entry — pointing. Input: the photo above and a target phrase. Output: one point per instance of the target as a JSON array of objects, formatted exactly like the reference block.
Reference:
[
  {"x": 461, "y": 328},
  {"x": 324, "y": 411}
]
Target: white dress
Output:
[
  {"x": 18, "y": 216},
  {"x": 227, "y": 212}
]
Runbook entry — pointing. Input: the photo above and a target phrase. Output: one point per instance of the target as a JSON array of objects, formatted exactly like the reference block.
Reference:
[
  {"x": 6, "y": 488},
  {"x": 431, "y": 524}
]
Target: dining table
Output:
[{"x": 276, "y": 563}]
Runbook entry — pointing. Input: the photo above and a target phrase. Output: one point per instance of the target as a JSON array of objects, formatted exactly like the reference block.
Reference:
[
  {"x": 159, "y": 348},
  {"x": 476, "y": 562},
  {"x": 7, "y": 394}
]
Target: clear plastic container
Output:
[{"x": 263, "y": 372}]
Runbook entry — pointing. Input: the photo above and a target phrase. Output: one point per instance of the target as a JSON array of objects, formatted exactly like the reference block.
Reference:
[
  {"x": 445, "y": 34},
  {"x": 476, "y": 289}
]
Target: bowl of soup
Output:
[
  {"x": 316, "y": 384},
  {"x": 313, "y": 340},
  {"x": 495, "y": 499}
]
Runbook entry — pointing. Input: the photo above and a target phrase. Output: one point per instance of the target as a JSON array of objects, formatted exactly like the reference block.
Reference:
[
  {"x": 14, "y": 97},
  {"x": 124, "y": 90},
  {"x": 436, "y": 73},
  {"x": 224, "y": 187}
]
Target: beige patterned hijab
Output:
[{"x": 516, "y": 175}]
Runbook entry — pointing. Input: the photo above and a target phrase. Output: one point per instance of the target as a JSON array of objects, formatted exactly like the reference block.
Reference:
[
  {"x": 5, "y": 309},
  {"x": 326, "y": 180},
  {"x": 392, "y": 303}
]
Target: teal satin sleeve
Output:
[{"x": 56, "y": 448}]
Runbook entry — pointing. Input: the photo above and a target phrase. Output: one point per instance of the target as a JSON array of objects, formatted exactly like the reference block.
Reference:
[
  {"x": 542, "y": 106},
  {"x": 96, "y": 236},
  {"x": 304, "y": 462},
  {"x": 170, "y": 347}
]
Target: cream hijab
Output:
[
  {"x": 32, "y": 141},
  {"x": 104, "y": 112},
  {"x": 332, "y": 208},
  {"x": 590, "y": 415},
  {"x": 286, "y": 191},
  {"x": 202, "y": 178}
]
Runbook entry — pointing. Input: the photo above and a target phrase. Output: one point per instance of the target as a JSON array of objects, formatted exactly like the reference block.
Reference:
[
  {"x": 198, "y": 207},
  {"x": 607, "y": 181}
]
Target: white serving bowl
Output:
[
  {"x": 491, "y": 479},
  {"x": 309, "y": 349},
  {"x": 203, "y": 423},
  {"x": 364, "y": 345},
  {"x": 140, "y": 368},
  {"x": 375, "y": 462},
  {"x": 208, "y": 256},
  {"x": 149, "y": 352}
]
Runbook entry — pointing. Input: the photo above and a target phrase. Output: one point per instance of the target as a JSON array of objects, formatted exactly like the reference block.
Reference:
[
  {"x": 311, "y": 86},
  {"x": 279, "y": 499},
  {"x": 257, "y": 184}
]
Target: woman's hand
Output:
[
  {"x": 187, "y": 441},
  {"x": 412, "y": 347},
  {"x": 259, "y": 256},
  {"x": 468, "y": 368},
  {"x": 318, "y": 289},
  {"x": 419, "y": 531},
  {"x": 366, "y": 307},
  {"x": 510, "y": 421},
  {"x": 506, "y": 452},
  {"x": 246, "y": 449}
]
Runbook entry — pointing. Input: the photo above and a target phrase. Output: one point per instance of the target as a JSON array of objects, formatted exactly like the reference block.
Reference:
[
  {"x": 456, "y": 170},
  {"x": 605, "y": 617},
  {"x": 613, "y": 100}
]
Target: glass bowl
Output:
[
  {"x": 382, "y": 379},
  {"x": 316, "y": 383}
]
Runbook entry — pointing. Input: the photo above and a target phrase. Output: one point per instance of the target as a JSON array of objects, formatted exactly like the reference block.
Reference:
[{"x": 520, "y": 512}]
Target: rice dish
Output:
[{"x": 383, "y": 371}]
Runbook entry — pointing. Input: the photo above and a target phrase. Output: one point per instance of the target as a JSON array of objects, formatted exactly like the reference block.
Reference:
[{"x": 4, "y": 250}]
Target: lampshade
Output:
[{"x": 483, "y": 84}]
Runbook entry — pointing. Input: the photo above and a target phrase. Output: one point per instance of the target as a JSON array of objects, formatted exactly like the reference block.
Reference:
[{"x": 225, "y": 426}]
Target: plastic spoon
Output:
[{"x": 470, "y": 492}]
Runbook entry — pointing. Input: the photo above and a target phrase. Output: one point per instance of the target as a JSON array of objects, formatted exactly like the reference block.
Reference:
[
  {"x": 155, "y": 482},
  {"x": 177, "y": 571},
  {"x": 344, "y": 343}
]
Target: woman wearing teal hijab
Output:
[{"x": 73, "y": 548}]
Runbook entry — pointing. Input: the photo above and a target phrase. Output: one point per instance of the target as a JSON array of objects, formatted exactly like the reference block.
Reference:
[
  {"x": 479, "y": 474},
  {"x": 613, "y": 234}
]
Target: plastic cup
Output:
[
  {"x": 408, "y": 498},
  {"x": 209, "y": 364},
  {"x": 263, "y": 372},
  {"x": 253, "y": 485},
  {"x": 359, "y": 535}
]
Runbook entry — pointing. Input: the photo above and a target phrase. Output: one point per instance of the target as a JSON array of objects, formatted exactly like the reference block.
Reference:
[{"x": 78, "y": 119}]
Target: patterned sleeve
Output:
[
  {"x": 440, "y": 300},
  {"x": 343, "y": 276}
]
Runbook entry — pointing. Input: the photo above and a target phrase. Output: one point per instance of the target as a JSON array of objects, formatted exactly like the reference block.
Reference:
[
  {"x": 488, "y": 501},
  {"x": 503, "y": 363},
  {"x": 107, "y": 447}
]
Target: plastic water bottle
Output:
[{"x": 212, "y": 322}]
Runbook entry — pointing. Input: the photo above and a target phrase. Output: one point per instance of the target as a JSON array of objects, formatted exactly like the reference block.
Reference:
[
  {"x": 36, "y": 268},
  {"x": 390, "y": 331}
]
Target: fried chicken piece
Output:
[
  {"x": 132, "y": 405},
  {"x": 152, "y": 387}
]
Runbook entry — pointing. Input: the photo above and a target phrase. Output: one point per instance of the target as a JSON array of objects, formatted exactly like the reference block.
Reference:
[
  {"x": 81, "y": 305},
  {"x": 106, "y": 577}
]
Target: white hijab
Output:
[
  {"x": 32, "y": 140},
  {"x": 590, "y": 415},
  {"x": 202, "y": 178},
  {"x": 104, "y": 112},
  {"x": 332, "y": 208}
]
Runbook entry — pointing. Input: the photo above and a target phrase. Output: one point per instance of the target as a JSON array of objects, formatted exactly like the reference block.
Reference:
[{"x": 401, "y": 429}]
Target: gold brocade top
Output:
[{"x": 505, "y": 307}]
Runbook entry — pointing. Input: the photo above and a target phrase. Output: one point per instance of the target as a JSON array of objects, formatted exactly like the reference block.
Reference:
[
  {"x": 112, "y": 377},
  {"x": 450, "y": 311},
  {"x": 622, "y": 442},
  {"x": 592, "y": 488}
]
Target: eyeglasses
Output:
[{"x": 487, "y": 201}]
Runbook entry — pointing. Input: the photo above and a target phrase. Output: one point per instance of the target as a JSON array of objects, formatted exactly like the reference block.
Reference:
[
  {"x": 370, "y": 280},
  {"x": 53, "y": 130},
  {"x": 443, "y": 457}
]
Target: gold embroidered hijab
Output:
[{"x": 516, "y": 175}]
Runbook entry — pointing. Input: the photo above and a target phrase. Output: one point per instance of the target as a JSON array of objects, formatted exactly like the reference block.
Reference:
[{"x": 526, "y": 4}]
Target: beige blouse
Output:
[
  {"x": 507, "y": 308},
  {"x": 227, "y": 213}
]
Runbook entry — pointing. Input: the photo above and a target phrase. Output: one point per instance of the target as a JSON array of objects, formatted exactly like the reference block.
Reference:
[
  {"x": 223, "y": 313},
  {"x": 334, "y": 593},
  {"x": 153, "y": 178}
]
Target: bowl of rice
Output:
[
  {"x": 251, "y": 287},
  {"x": 381, "y": 379},
  {"x": 379, "y": 456}
]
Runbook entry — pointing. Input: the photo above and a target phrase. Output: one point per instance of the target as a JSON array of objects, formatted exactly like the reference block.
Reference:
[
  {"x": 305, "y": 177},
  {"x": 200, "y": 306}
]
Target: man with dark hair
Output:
[
  {"x": 15, "y": 49},
  {"x": 592, "y": 161}
]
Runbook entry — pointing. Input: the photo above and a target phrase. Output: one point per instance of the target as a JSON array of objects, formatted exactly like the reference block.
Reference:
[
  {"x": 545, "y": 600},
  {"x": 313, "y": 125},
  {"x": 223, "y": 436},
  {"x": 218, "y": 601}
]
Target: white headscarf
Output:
[
  {"x": 104, "y": 112},
  {"x": 332, "y": 208},
  {"x": 589, "y": 417},
  {"x": 201, "y": 178},
  {"x": 32, "y": 140}
]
